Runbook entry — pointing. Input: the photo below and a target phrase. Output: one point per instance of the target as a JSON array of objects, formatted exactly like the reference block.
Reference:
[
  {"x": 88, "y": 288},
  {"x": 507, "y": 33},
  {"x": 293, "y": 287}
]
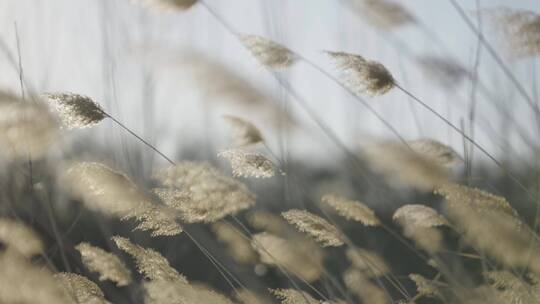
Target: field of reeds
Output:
[{"x": 269, "y": 202}]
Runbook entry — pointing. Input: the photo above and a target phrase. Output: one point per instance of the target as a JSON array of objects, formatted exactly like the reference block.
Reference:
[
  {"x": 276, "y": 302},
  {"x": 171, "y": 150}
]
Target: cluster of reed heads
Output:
[{"x": 472, "y": 245}]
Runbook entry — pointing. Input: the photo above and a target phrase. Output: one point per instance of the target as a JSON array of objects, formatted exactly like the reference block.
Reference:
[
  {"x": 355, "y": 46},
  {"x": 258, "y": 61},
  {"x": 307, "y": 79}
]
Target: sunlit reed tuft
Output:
[
  {"x": 248, "y": 164},
  {"x": 362, "y": 75},
  {"x": 76, "y": 111},
  {"x": 108, "y": 265},
  {"x": 351, "y": 210},
  {"x": 269, "y": 53},
  {"x": 318, "y": 228}
]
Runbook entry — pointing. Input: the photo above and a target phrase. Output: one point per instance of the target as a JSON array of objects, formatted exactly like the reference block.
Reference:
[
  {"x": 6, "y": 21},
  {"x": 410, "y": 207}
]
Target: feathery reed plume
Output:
[
  {"x": 111, "y": 192},
  {"x": 437, "y": 151},
  {"x": 108, "y": 265},
  {"x": 102, "y": 189},
  {"x": 445, "y": 72},
  {"x": 248, "y": 164},
  {"x": 246, "y": 296},
  {"x": 352, "y": 210},
  {"x": 244, "y": 133},
  {"x": 418, "y": 215},
  {"x": 23, "y": 282},
  {"x": 27, "y": 130},
  {"x": 498, "y": 234},
  {"x": 520, "y": 30},
  {"x": 318, "y": 228},
  {"x": 368, "y": 262},
  {"x": 161, "y": 221},
  {"x": 81, "y": 289},
  {"x": 481, "y": 201},
  {"x": 175, "y": 5},
  {"x": 383, "y": 14},
  {"x": 238, "y": 246},
  {"x": 267, "y": 221},
  {"x": 299, "y": 256},
  {"x": 213, "y": 195},
  {"x": 512, "y": 289},
  {"x": 363, "y": 288},
  {"x": 150, "y": 263},
  {"x": 362, "y": 75},
  {"x": 402, "y": 165},
  {"x": 76, "y": 111},
  {"x": 18, "y": 238},
  {"x": 293, "y": 296},
  {"x": 425, "y": 287},
  {"x": 418, "y": 222},
  {"x": 269, "y": 53},
  {"x": 172, "y": 292}
]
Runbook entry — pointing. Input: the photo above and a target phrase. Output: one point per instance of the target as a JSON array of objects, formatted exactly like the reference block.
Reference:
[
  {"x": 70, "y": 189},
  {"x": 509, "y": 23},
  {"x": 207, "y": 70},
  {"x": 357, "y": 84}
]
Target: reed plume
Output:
[
  {"x": 150, "y": 263},
  {"x": 318, "y": 228},
  {"x": 76, "y": 111},
  {"x": 248, "y": 164},
  {"x": 18, "y": 238},
  {"x": 81, "y": 289},
  {"x": 108, "y": 265},
  {"x": 361, "y": 75},
  {"x": 213, "y": 195},
  {"x": 269, "y": 53},
  {"x": 351, "y": 210},
  {"x": 244, "y": 133},
  {"x": 382, "y": 14},
  {"x": 299, "y": 256}
]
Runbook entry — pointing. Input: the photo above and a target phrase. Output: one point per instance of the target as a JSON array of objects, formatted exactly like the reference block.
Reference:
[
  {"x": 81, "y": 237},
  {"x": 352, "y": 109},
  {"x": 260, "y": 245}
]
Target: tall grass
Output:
[{"x": 265, "y": 228}]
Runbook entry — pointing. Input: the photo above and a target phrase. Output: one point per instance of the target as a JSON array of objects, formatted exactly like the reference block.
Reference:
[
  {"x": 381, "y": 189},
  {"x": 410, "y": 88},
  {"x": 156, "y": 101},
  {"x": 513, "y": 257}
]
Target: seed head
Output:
[
  {"x": 361, "y": 75},
  {"x": 269, "y": 53}
]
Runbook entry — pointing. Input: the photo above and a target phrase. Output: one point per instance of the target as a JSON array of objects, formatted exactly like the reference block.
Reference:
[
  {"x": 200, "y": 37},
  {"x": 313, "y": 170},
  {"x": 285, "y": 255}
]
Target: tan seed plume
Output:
[
  {"x": 437, "y": 151},
  {"x": 519, "y": 29},
  {"x": 27, "y": 129},
  {"x": 172, "y": 292},
  {"x": 358, "y": 284},
  {"x": 368, "y": 262},
  {"x": 382, "y": 14},
  {"x": 244, "y": 133},
  {"x": 76, "y": 111},
  {"x": 213, "y": 195},
  {"x": 238, "y": 246},
  {"x": 293, "y": 296},
  {"x": 318, "y": 228},
  {"x": 108, "y": 265},
  {"x": 401, "y": 165},
  {"x": 299, "y": 256},
  {"x": 269, "y": 53},
  {"x": 425, "y": 287},
  {"x": 81, "y": 289},
  {"x": 21, "y": 281},
  {"x": 419, "y": 216},
  {"x": 445, "y": 72},
  {"x": 419, "y": 223},
  {"x": 481, "y": 201},
  {"x": 361, "y": 75},
  {"x": 352, "y": 210},
  {"x": 150, "y": 263},
  {"x": 111, "y": 192},
  {"x": 248, "y": 164},
  {"x": 19, "y": 238}
]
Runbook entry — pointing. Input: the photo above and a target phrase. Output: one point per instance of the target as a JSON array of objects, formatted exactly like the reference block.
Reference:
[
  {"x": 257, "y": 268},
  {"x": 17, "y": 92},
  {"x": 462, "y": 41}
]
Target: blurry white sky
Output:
[{"x": 107, "y": 48}]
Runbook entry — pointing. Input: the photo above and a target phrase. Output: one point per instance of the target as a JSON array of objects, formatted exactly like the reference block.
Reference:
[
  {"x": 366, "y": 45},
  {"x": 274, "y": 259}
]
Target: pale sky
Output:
[{"x": 107, "y": 48}]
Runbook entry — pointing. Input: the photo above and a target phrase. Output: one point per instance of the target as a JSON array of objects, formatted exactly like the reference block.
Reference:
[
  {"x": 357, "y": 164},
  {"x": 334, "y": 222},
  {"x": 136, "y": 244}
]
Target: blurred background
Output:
[{"x": 161, "y": 73}]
